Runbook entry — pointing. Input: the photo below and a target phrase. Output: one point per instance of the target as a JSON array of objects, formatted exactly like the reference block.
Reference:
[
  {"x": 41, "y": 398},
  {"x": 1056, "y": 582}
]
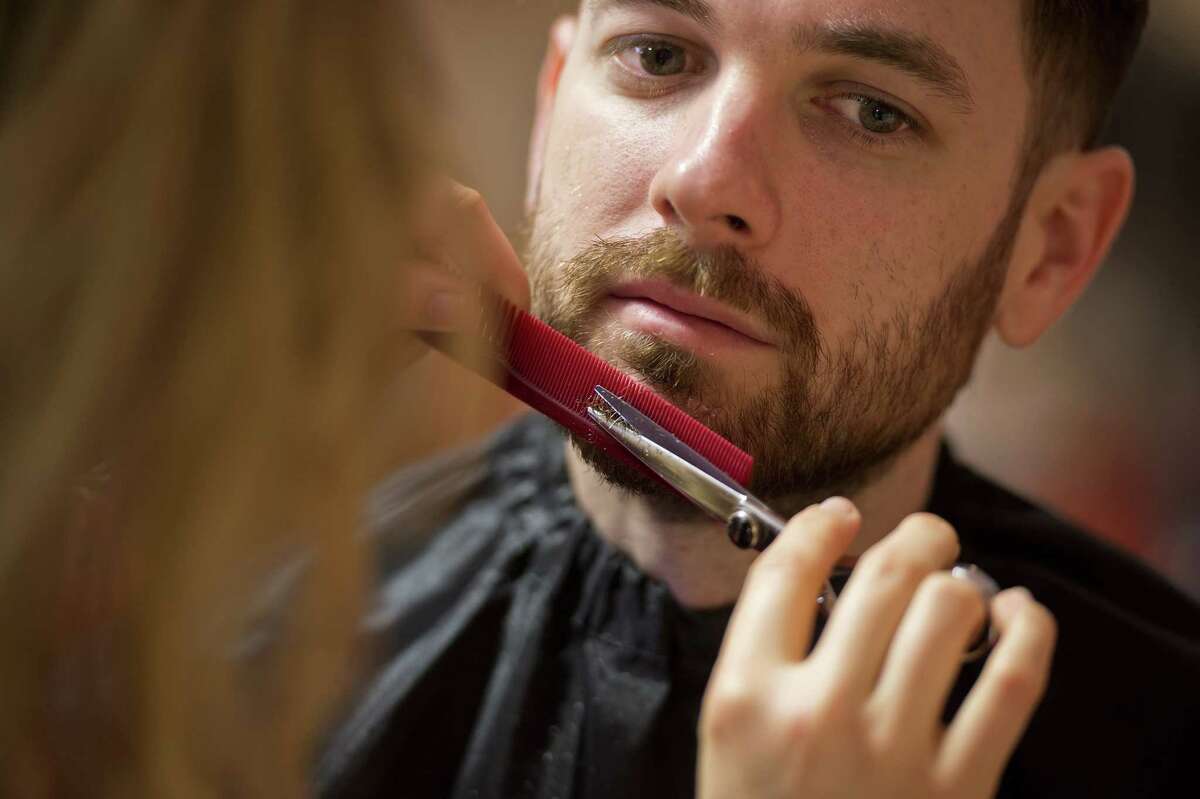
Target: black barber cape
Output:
[{"x": 522, "y": 656}]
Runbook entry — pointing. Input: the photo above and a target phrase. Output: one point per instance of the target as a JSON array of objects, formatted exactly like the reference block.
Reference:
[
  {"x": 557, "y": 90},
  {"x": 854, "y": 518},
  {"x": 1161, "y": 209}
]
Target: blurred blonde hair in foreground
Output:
[{"x": 201, "y": 214}]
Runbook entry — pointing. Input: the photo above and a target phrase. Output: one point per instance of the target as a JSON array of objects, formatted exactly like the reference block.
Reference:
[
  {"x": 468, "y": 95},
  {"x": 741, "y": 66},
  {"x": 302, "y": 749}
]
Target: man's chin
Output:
[
  {"x": 679, "y": 377},
  {"x": 663, "y": 501}
]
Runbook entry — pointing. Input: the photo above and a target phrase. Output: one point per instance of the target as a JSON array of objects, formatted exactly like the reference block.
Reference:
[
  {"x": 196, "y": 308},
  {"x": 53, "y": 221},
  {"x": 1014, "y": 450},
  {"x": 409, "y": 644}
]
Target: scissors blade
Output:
[
  {"x": 665, "y": 439},
  {"x": 675, "y": 462}
]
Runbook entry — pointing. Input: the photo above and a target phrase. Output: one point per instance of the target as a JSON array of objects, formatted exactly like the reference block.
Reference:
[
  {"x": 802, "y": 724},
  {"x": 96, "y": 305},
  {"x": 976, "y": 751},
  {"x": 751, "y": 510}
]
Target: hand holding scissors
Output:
[{"x": 862, "y": 713}]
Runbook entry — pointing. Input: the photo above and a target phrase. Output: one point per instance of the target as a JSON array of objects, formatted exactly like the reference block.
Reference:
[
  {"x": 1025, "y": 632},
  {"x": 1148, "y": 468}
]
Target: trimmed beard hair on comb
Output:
[{"x": 557, "y": 377}]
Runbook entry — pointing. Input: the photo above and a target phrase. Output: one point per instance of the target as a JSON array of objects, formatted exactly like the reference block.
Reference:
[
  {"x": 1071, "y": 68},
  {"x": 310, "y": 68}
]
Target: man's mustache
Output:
[{"x": 723, "y": 274}]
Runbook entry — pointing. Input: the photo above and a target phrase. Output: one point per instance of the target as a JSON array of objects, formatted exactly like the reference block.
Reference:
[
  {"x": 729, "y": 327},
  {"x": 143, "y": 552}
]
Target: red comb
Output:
[{"x": 554, "y": 375}]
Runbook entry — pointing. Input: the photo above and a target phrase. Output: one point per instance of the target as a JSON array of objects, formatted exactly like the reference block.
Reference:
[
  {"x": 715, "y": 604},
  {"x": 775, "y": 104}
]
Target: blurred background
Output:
[{"x": 1100, "y": 420}]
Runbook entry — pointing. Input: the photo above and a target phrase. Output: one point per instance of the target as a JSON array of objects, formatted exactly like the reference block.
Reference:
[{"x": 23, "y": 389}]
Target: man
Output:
[{"x": 798, "y": 220}]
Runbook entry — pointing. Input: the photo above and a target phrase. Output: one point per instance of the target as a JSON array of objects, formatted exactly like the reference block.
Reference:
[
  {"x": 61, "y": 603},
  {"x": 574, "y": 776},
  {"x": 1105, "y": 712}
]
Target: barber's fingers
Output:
[
  {"x": 860, "y": 630},
  {"x": 435, "y": 300},
  {"x": 458, "y": 230},
  {"x": 984, "y": 733},
  {"x": 924, "y": 659},
  {"x": 773, "y": 620}
]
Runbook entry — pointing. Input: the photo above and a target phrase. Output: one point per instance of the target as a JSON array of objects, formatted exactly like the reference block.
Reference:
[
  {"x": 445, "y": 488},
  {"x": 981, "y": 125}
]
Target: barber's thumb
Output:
[{"x": 438, "y": 302}]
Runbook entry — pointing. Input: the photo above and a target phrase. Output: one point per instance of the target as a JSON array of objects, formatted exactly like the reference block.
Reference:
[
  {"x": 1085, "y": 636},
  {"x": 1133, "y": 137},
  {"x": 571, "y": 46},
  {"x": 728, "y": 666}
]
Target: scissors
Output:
[{"x": 750, "y": 523}]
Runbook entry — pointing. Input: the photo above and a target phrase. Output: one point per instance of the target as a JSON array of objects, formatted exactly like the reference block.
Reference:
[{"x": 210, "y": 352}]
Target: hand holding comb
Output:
[{"x": 557, "y": 377}]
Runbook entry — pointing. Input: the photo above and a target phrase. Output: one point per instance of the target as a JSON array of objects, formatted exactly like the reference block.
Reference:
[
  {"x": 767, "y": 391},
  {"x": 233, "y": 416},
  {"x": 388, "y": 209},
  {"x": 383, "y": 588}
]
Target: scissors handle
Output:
[{"x": 754, "y": 526}]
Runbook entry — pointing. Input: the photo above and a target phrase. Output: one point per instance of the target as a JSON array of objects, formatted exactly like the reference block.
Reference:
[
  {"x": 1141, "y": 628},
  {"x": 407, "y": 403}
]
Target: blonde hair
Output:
[{"x": 202, "y": 210}]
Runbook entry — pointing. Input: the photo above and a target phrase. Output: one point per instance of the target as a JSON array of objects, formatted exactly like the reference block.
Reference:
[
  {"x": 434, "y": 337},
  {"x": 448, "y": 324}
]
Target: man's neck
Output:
[{"x": 695, "y": 559}]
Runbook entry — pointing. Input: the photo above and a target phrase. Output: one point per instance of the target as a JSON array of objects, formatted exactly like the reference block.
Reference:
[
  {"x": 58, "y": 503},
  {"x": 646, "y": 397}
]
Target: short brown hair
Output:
[{"x": 1077, "y": 54}]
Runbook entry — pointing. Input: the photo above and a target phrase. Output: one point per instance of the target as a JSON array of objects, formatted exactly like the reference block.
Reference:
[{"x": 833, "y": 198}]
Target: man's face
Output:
[{"x": 792, "y": 217}]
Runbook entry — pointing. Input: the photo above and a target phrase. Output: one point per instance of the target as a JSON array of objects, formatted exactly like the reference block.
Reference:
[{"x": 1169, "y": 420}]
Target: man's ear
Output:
[
  {"x": 1074, "y": 213},
  {"x": 562, "y": 37}
]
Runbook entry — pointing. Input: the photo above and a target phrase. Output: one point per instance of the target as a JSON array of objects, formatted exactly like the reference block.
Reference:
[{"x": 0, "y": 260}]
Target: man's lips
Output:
[{"x": 669, "y": 309}]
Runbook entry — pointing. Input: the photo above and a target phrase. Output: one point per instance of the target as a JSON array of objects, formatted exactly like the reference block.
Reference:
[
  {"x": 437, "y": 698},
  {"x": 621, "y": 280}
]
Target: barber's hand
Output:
[
  {"x": 861, "y": 715},
  {"x": 458, "y": 246}
]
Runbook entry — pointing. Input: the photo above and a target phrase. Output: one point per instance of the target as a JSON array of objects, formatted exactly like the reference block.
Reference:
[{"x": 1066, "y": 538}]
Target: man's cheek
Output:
[
  {"x": 606, "y": 168},
  {"x": 851, "y": 257}
]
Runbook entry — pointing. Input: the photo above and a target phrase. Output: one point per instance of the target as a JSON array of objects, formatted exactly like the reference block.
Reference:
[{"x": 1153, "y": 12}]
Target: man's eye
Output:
[
  {"x": 875, "y": 116},
  {"x": 659, "y": 59}
]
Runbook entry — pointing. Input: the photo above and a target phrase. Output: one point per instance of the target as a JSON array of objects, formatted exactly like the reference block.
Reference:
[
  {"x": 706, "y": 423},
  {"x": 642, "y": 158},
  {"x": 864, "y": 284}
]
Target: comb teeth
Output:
[{"x": 556, "y": 376}]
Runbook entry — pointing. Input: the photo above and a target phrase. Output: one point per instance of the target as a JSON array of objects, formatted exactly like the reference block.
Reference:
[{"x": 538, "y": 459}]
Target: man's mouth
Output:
[{"x": 684, "y": 317}]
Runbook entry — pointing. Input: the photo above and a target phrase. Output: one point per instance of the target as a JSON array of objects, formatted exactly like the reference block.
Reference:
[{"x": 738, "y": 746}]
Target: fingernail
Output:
[
  {"x": 1013, "y": 597},
  {"x": 840, "y": 505},
  {"x": 443, "y": 308}
]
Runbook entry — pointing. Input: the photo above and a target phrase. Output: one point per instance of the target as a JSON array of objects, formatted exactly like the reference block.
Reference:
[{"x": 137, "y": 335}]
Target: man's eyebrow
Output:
[
  {"x": 699, "y": 10},
  {"x": 919, "y": 56}
]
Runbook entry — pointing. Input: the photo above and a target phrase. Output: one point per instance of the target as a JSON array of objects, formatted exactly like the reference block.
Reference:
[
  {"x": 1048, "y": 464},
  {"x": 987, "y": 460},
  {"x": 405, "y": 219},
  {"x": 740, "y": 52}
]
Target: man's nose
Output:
[{"x": 715, "y": 188}]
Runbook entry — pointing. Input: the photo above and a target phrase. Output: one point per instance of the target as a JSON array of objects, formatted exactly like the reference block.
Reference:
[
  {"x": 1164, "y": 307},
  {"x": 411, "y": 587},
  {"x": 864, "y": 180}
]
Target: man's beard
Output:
[{"x": 829, "y": 421}]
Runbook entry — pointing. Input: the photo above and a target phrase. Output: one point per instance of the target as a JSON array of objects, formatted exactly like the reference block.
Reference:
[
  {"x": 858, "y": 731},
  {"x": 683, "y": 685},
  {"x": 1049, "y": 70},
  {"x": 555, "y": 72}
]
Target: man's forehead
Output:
[
  {"x": 710, "y": 12},
  {"x": 953, "y": 24},
  {"x": 699, "y": 10}
]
